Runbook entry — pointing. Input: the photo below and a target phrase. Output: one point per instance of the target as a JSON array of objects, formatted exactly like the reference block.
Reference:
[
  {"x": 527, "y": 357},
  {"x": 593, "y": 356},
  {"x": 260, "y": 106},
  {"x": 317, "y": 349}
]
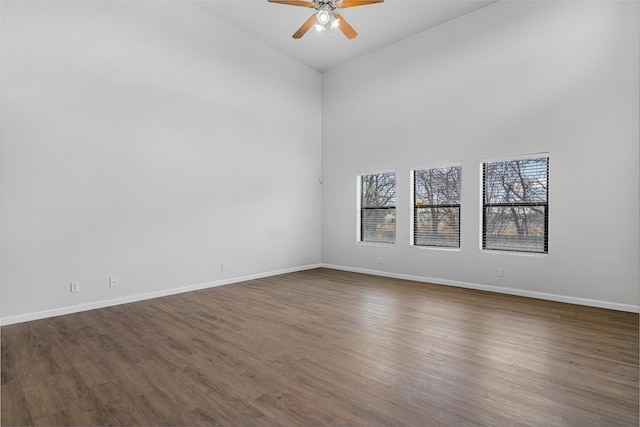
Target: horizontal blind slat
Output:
[
  {"x": 377, "y": 208},
  {"x": 436, "y": 213},
  {"x": 515, "y": 205}
]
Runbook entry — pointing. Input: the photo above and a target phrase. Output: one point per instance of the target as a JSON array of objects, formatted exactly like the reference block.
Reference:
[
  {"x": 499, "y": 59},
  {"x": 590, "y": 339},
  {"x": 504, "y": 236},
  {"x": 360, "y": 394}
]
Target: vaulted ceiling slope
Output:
[{"x": 378, "y": 25}]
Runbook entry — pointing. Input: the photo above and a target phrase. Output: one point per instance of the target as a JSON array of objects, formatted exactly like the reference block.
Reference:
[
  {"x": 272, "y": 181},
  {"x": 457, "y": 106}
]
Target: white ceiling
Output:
[{"x": 378, "y": 25}]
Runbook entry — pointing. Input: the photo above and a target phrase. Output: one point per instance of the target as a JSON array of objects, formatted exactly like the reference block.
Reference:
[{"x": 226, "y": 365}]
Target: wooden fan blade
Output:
[
  {"x": 305, "y": 27},
  {"x": 294, "y": 2},
  {"x": 353, "y": 3},
  {"x": 345, "y": 27}
]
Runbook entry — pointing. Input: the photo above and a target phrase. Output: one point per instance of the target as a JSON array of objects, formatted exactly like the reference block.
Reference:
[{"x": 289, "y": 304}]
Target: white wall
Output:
[
  {"x": 148, "y": 141},
  {"x": 512, "y": 78}
]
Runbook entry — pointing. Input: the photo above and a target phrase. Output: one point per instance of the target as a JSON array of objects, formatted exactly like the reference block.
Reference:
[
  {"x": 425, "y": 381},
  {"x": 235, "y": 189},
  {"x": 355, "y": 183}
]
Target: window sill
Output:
[
  {"x": 524, "y": 254},
  {"x": 376, "y": 244},
  {"x": 435, "y": 248}
]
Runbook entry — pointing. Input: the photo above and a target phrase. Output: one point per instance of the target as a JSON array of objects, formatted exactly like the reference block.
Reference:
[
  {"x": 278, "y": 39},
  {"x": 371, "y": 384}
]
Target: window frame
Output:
[
  {"x": 359, "y": 208},
  {"x": 413, "y": 219},
  {"x": 484, "y": 205}
]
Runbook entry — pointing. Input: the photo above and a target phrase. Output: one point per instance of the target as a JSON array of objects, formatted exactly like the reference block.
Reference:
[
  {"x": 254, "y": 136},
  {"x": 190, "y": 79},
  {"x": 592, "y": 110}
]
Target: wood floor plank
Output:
[
  {"x": 324, "y": 347},
  {"x": 15, "y": 408}
]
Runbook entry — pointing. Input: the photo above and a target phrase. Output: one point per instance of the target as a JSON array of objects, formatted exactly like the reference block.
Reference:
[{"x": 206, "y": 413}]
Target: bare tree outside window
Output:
[
  {"x": 436, "y": 212},
  {"x": 378, "y": 208},
  {"x": 516, "y": 205}
]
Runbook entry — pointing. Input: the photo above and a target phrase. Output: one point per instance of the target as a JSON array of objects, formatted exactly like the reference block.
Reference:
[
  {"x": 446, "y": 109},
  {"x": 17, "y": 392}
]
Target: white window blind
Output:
[
  {"x": 516, "y": 205},
  {"x": 378, "y": 208},
  {"x": 436, "y": 207}
]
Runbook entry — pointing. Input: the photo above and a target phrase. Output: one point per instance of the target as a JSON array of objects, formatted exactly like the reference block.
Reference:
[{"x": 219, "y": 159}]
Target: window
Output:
[
  {"x": 377, "y": 208},
  {"x": 436, "y": 207},
  {"x": 516, "y": 205}
]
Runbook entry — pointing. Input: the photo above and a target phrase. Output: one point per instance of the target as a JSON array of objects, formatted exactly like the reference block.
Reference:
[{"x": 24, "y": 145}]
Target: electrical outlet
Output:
[
  {"x": 380, "y": 260},
  {"x": 75, "y": 287},
  {"x": 113, "y": 282},
  {"x": 223, "y": 266},
  {"x": 500, "y": 272}
]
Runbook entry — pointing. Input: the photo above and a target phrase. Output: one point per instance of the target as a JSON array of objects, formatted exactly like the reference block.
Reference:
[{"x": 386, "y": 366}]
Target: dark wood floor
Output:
[{"x": 324, "y": 347}]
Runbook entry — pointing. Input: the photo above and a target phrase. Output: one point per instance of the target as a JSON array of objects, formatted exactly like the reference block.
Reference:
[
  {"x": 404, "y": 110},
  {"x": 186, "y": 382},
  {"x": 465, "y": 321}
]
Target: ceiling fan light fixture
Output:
[
  {"x": 324, "y": 16},
  {"x": 325, "y": 19}
]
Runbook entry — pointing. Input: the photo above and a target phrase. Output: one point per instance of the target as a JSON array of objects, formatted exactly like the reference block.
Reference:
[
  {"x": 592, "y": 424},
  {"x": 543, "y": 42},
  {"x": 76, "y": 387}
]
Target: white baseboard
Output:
[
  {"x": 9, "y": 320},
  {"x": 497, "y": 289}
]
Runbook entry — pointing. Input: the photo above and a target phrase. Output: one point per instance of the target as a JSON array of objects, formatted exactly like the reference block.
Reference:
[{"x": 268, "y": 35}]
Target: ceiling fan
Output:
[{"x": 326, "y": 18}]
